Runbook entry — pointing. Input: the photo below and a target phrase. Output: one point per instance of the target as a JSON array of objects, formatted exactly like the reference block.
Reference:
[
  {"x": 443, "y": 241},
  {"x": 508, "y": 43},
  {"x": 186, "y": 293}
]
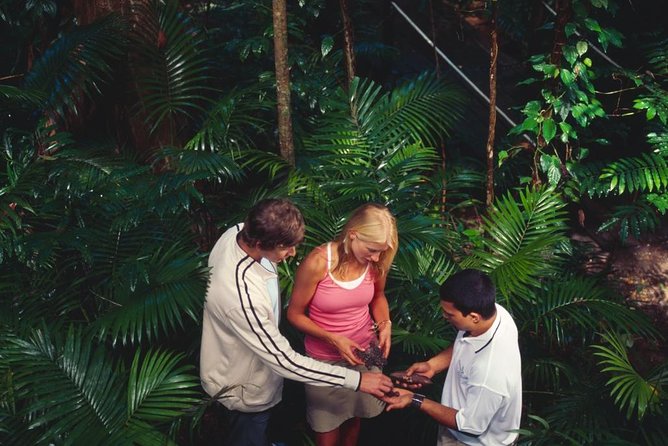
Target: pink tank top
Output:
[{"x": 343, "y": 308}]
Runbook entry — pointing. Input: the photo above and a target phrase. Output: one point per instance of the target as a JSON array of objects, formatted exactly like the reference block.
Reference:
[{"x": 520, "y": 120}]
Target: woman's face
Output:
[{"x": 366, "y": 252}]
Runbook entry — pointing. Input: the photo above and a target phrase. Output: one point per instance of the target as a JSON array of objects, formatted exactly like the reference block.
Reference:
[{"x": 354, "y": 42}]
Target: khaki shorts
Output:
[{"x": 329, "y": 407}]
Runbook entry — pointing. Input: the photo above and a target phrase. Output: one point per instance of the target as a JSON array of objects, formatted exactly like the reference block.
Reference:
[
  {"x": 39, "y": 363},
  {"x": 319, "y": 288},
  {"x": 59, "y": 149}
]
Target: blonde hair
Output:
[{"x": 373, "y": 223}]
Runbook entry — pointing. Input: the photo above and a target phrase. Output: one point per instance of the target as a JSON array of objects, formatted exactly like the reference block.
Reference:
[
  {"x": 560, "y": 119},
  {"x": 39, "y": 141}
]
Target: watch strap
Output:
[{"x": 416, "y": 400}]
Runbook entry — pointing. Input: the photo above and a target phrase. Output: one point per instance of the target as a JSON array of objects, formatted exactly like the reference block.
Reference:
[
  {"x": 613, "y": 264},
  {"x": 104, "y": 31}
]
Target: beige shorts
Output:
[{"x": 329, "y": 407}]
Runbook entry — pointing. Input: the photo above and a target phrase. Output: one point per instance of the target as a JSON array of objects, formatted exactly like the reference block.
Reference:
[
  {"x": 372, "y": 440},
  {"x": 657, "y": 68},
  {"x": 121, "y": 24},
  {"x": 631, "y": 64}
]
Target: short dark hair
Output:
[
  {"x": 470, "y": 290},
  {"x": 273, "y": 222}
]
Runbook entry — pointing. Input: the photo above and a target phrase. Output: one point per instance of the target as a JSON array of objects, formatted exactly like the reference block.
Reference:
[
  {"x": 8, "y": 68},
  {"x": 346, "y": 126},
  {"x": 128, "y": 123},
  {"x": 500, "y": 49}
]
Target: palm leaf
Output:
[
  {"x": 201, "y": 164},
  {"x": 152, "y": 294},
  {"x": 76, "y": 65},
  {"x": 230, "y": 122},
  {"x": 630, "y": 390},
  {"x": 21, "y": 98},
  {"x": 159, "y": 389},
  {"x": 521, "y": 238},
  {"x": 69, "y": 389},
  {"x": 633, "y": 219},
  {"x": 573, "y": 308},
  {"x": 172, "y": 70}
]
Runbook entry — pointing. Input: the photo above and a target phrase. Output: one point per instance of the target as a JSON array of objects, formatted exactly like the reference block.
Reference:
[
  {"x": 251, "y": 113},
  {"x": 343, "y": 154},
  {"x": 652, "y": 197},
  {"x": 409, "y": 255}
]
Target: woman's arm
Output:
[
  {"x": 380, "y": 311},
  {"x": 309, "y": 273}
]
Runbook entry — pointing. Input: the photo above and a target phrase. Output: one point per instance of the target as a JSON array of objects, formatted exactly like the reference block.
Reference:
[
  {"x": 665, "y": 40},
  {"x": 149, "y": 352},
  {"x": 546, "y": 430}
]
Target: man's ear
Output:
[{"x": 475, "y": 317}]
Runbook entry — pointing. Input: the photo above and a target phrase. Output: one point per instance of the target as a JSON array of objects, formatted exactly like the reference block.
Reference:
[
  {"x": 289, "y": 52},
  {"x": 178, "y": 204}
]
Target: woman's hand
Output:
[{"x": 346, "y": 348}]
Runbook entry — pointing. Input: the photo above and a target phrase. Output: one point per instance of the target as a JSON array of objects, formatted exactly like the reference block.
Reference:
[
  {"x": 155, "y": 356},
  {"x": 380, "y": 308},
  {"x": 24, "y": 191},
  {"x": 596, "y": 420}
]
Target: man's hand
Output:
[
  {"x": 423, "y": 368},
  {"x": 375, "y": 383},
  {"x": 398, "y": 402},
  {"x": 418, "y": 368}
]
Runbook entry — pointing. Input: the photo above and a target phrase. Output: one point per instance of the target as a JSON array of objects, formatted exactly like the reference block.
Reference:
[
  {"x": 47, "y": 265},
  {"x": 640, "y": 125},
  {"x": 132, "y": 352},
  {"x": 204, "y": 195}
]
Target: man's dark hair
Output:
[
  {"x": 273, "y": 222},
  {"x": 470, "y": 290}
]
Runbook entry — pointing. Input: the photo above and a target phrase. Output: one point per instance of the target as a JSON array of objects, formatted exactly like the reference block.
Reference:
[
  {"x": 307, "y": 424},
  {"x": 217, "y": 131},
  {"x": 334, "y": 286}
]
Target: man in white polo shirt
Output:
[{"x": 482, "y": 395}]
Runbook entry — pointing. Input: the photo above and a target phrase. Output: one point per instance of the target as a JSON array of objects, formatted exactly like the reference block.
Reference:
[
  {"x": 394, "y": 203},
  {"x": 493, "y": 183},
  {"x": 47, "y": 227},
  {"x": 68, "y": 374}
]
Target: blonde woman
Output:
[{"x": 339, "y": 302}]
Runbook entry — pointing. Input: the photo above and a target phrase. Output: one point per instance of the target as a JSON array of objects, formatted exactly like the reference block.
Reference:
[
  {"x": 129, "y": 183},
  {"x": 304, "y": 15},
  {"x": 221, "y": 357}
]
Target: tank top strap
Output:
[{"x": 329, "y": 256}]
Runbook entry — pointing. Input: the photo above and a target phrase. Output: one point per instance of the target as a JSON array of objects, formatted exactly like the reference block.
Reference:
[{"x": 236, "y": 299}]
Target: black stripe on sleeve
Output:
[{"x": 263, "y": 337}]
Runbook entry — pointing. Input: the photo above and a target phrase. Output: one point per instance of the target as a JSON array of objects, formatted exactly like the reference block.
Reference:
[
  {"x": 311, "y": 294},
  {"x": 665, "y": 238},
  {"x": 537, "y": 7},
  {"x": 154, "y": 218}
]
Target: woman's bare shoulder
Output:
[{"x": 316, "y": 260}]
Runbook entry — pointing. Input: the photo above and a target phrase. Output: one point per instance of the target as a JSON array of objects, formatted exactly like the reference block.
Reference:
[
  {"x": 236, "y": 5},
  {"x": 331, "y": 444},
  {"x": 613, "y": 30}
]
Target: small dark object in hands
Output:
[
  {"x": 415, "y": 378},
  {"x": 392, "y": 393},
  {"x": 372, "y": 356}
]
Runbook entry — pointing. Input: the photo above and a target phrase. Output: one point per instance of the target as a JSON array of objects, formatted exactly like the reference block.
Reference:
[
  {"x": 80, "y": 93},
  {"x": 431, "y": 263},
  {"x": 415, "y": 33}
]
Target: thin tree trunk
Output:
[
  {"x": 285, "y": 138},
  {"x": 348, "y": 51},
  {"x": 494, "y": 52}
]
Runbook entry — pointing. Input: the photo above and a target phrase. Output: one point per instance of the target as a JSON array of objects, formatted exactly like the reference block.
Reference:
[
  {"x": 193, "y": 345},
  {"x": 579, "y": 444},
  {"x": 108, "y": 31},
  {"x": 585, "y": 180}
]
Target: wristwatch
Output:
[{"x": 417, "y": 400}]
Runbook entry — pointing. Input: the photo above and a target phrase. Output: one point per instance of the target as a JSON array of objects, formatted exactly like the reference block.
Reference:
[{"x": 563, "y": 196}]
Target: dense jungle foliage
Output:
[{"x": 134, "y": 132}]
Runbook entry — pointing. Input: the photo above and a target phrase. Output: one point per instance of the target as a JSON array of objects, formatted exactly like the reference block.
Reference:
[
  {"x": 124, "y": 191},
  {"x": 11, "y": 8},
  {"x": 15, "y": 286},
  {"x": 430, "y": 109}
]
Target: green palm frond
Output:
[
  {"x": 659, "y": 140},
  {"x": 418, "y": 324},
  {"x": 230, "y": 122},
  {"x": 159, "y": 388},
  {"x": 21, "y": 98},
  {"x": 571, "y": 309},
  {"x": 583, "y": 413},
  {"x": 171, "y": 68},
  {"x": 654, "y": 431},
  {"x": 427, "y": 108},
  {"x": 631, "y": 391},
  {"x": 68, "y": 387},
  {"x": 69, "y": 391},
  {"x": 585, "y": 180},
  {"x": 546, "y": 374},
  {"x": 645, "y": 173},
  {"x": 271, "y": 164},
  {"x": 202, "y": 164},
  {"x": 520, "y": 239},
  {"x": 153, "y": 293},
  {"x": 656, "y": 51},
  {"x": 77, "y": 64},
  {"x": 637, "y": 218},
  {"x": 379, "y": 123},
  {"x": 19, "y": 178}
]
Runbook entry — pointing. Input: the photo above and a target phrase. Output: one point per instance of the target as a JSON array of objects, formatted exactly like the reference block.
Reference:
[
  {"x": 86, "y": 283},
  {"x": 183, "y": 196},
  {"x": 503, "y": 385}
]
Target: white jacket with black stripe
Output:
[{"x": 243, "y": 357}]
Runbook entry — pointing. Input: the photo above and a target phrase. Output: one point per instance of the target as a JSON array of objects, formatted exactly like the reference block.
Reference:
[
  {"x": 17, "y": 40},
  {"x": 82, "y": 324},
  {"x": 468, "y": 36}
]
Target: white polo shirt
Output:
[{"x": 484, "y": 384}]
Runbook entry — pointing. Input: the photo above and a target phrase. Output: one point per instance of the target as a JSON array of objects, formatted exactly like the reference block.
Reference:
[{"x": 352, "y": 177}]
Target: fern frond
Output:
[{"x": 645, "y": 173}]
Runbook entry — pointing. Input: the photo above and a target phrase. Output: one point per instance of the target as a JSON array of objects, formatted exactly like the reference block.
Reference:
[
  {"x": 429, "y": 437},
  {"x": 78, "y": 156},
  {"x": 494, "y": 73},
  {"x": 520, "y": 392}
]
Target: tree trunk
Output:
[
  {"x": 494, "y": 52},
  {"x": 348, "y": 51},
  {"x": 285, "y": 139}
]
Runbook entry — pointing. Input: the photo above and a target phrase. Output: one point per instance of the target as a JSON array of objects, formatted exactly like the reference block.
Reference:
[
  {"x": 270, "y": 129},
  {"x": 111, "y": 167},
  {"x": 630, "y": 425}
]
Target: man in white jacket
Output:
[{"x": 244, "y": 357}]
